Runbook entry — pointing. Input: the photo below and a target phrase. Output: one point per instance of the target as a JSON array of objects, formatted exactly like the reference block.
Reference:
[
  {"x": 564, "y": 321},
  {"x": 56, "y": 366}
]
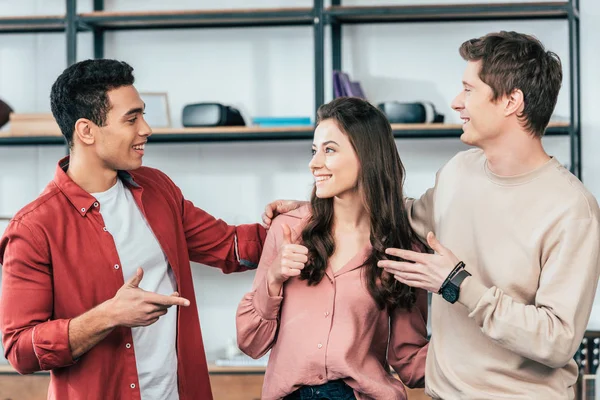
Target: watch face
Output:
[{"x": 450, "y": 293}]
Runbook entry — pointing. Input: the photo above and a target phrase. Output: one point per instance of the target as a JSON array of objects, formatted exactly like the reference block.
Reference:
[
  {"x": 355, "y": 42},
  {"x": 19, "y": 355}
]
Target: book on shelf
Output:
[{"x": 343, "y": 86}]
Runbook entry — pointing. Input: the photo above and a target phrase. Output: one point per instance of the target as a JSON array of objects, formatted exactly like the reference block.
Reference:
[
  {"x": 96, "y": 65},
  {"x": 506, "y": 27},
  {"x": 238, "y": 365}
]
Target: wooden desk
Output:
[{"x": 228, "y": 383}]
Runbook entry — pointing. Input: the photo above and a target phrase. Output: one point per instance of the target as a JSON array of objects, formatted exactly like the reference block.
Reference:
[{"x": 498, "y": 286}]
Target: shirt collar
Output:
[{"x": 79, "y": 198}]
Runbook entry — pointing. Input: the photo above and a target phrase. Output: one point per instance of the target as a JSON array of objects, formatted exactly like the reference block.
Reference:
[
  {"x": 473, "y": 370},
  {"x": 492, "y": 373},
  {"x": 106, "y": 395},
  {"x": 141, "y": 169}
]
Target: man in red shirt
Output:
[{"x": 96, "y": 279}]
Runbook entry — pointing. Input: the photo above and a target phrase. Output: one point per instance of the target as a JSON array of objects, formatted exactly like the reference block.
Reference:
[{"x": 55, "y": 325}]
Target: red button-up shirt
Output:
[{"x": 58, "y": 262}]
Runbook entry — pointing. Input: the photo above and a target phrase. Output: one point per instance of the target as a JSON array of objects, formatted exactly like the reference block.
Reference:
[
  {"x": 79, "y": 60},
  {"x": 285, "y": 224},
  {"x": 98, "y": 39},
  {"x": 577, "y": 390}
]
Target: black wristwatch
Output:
[{"x": 450, "y": 290}]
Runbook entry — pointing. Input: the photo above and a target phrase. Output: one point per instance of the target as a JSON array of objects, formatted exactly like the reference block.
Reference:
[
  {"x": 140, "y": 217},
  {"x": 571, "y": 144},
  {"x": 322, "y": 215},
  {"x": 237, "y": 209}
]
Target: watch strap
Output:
[
  {"x": 451, "y": 275},
  {"x": 459, "y": 277}
]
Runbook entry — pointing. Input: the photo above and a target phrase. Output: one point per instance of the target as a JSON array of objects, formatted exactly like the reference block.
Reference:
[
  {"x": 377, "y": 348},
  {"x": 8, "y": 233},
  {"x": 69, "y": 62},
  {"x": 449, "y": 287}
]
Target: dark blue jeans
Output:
[{"x": 333, "y": 390}]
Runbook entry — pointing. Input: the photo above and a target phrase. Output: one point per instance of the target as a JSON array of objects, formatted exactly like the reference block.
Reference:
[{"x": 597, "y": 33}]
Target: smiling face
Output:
[
  {"x": 119, "y": 144},
  {"x": 483, "y": 119},
  {"x": 334, "y": 165}
]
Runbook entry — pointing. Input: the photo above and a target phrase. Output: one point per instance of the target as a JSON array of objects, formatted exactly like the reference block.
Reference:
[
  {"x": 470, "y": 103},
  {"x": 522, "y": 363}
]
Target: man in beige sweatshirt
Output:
[
  {"x": 509, "y": 321},
  {"x": 516, "y": 237}
]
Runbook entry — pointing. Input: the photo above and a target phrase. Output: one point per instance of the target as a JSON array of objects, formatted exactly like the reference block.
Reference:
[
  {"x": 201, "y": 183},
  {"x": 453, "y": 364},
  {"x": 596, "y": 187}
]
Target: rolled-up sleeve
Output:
[
  {"x": 257, "y": 316},
  {"x": 32, "y": 340}
]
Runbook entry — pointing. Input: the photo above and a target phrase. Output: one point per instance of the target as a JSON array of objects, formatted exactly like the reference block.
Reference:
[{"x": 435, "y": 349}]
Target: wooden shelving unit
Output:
[
  {"x": 239, "y": 134},
  {"x": 318, "y": 16}
]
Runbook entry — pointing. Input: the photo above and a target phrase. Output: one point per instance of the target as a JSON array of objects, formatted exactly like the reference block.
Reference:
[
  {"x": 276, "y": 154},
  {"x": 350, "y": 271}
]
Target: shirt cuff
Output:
[
  {"x": 471, "y": 291},
  {"x": 266, "y": 305},
  {"x": 51, "y": 344},
  {"x": 248, "y": 242}
]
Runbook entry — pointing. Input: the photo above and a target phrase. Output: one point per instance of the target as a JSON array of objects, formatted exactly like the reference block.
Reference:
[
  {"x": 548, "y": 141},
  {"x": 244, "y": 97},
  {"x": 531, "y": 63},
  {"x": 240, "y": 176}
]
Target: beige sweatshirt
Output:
[{"x": 532, "y": 244}]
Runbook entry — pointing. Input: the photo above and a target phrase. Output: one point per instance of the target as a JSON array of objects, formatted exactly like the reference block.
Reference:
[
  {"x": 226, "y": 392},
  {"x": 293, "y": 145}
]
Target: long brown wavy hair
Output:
[{"x": 380, "y": 179}]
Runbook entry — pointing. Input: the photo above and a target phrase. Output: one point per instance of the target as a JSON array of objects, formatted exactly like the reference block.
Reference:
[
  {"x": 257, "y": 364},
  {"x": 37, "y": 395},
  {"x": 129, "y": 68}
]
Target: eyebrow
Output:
[
  {"x": 326, "y": 143},
  {"x": 466, "y": 83},
  {"x": 135, "y": 111}
]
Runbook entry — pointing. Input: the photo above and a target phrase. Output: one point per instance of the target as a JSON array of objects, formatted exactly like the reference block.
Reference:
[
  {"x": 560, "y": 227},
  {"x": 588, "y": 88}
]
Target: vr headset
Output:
[
  {"x": 210, "y": 114},
  {"x": 410, "y": 113}
]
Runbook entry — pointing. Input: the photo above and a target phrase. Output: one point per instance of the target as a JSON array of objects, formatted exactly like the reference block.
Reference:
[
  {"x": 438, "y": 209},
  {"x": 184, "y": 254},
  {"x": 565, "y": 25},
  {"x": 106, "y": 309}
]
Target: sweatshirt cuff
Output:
[
  {"x": 471, "y": 291},
  {"x": 266, "y": 305},
  {"x": 51, "y": 344}
]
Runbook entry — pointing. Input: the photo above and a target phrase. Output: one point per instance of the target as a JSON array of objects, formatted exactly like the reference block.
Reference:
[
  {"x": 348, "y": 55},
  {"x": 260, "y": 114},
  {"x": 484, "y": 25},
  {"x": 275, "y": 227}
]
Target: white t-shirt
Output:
[{"x": 154, "y": 345}]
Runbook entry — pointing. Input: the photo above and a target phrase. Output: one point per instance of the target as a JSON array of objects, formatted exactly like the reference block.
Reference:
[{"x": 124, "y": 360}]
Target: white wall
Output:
[{"x": 266, "y": 71}]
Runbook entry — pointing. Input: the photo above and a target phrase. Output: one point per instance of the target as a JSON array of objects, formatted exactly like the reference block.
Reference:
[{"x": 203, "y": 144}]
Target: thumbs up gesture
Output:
[{"x": 289, "y": 262}]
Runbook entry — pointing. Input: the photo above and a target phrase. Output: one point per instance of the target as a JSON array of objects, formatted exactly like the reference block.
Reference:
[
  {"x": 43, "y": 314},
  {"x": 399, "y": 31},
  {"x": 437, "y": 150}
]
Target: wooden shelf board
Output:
[
  {"x": 241, "y": 130},
  {"x": 197, "y": 18},
  {"x": 33, "y": 23},
  {"x": 137, "y": 14},
  {"x": 25, "y": 18},
  {"x": 455, "y": 12},
  {"x": 253, "y": 133},
  {"x": 213, "y": 369}
]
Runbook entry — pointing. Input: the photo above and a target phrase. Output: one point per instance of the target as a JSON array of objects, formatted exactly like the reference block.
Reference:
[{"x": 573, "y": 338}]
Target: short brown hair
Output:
[{"x": 510, "y": 61}]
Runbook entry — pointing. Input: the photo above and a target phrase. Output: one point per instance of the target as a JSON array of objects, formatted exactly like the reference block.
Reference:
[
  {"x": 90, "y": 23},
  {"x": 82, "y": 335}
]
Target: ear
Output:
[
  {"x": 515, "y": 103},
  {"x": 85, "y": 131}
]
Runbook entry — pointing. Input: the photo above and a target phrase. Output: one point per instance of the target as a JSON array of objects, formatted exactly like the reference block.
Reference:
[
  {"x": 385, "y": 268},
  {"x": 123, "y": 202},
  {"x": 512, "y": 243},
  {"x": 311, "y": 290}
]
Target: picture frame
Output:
[{"x": 157, "y": 109}]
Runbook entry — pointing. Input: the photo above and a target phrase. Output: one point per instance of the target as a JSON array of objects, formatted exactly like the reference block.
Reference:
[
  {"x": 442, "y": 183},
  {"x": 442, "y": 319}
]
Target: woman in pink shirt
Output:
[{"x": 333, "y": 320}]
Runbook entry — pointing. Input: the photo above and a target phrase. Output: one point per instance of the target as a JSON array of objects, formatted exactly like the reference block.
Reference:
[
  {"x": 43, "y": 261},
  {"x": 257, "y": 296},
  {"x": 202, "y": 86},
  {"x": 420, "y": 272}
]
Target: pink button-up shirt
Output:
[{"x": 330, "y": 331}]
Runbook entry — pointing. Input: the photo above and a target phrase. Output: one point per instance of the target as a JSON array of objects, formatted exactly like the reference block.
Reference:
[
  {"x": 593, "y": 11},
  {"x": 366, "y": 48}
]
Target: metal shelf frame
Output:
[{"x": 336, "y": 16}]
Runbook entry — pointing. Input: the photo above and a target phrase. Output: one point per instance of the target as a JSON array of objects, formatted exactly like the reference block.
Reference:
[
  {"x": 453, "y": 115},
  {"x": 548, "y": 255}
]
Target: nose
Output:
[
  {"x": 316, "y": 161},
  {"x": 459, "y": 102},
  {"x": 145, "y": 129}
]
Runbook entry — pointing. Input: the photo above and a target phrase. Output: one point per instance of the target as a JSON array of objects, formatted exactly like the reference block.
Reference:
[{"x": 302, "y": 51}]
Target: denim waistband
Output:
[{"x": 332, "y": 390}]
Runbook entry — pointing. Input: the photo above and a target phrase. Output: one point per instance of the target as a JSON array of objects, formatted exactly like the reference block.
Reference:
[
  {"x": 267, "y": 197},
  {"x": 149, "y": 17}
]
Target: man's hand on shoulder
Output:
[{"x": 279, "y": 207}]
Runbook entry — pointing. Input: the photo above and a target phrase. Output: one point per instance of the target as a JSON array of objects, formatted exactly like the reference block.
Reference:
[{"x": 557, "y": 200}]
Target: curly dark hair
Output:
[
  {"x": 81, "y": 92},
  {"x": 511, "y": 60},
  {"x": 381, "y": 179}
]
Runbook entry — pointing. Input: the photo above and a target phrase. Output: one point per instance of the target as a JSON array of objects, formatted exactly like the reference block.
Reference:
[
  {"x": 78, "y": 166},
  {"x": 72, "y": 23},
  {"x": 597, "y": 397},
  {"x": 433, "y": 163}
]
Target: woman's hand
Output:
[{"x": 289, "y": 262}]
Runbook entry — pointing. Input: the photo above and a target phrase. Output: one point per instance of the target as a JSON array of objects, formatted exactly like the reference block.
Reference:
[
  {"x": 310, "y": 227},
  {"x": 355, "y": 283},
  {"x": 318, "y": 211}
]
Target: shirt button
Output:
[
  {"x": 128, "y": 345},
  {"x": 326, "y": 313},
  {"x": 319, "y": 345},
  {"x": 83, "y": 210},
  {"x": 105, "y": 229},
  {"x": 96, "y": 204},
  {"x": 116, "y": 266},
  {"x": 132, "y": 386}
]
